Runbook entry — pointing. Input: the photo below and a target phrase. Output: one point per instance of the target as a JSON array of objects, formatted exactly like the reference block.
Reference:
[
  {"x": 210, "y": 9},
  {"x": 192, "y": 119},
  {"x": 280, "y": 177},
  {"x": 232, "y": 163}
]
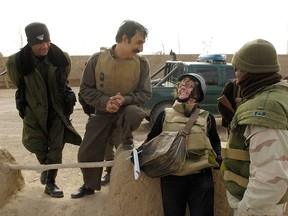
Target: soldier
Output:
[{"x": 254, "y": 164}]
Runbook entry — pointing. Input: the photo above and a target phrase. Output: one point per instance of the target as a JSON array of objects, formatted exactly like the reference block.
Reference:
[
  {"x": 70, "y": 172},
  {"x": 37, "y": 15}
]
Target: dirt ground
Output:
[
  {"x": 31, "y": 200},
  {"x": 124, "y": 196}
]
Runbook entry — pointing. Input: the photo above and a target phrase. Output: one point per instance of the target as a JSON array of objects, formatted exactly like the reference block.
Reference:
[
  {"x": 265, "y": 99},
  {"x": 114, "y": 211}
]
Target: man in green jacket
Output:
[{"x": 40, "y": 71}]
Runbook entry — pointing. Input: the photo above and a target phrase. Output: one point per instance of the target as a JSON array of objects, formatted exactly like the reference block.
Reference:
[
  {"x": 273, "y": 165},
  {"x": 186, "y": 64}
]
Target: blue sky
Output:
[{"x": 186, "y": 26}]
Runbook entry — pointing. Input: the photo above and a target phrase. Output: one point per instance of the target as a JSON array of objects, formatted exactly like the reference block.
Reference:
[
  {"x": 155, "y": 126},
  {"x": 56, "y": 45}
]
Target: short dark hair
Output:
[{"x": 129, "y": 28}]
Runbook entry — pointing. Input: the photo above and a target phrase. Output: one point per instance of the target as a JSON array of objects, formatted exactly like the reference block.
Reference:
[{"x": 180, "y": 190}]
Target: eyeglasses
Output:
[{"x": 189, "y": 86}]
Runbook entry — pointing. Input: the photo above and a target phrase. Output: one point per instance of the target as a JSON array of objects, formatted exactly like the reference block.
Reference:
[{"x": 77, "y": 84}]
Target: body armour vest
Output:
[
  {"x": 116, "y": 75},
  {"x": 267, "y": 109},
  {"x": 175, "y": 120}
]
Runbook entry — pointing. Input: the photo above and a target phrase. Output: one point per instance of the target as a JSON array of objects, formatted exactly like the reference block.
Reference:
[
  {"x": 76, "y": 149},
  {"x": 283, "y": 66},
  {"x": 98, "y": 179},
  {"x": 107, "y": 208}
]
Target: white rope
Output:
[{"x": 5, "y": 167}]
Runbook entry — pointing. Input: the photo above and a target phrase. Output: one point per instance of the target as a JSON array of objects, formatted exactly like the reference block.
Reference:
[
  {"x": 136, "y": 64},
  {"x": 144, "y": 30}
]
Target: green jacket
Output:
[{"x": 36, "y": 111}]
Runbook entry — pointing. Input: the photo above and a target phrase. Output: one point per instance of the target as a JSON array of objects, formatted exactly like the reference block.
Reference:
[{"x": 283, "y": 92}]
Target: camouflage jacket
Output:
[{"x": 255, "y": 167}]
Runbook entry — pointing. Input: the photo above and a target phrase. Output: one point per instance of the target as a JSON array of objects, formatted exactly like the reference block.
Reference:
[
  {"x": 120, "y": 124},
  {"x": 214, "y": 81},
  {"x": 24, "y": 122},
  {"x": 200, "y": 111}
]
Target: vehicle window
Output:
[
  {"x": 209, "y": 74},
  {"x": 173, "y": 78}
]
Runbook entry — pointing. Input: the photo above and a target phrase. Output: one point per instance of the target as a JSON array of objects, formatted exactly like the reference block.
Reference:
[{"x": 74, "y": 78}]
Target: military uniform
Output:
[{"x": 254, "y": 164}]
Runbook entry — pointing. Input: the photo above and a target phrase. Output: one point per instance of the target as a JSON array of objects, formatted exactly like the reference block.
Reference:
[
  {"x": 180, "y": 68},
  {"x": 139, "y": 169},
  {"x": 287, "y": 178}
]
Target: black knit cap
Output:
[{"x": 37, "y": 33}]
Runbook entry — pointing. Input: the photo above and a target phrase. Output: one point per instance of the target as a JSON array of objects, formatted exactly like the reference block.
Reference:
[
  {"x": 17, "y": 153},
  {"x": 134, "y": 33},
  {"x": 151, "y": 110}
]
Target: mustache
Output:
[{"x": 136, "y": 51}]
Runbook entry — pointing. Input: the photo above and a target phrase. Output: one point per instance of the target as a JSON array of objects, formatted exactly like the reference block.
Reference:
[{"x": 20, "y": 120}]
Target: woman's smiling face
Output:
[{"x": 185, "y": 87}]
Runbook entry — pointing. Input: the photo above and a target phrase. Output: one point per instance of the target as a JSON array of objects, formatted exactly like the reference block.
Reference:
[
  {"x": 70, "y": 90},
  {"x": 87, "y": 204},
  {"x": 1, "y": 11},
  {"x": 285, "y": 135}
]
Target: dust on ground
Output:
[
  {"x": 124, "y": 196},
  {"x": 31, "y": 199}
]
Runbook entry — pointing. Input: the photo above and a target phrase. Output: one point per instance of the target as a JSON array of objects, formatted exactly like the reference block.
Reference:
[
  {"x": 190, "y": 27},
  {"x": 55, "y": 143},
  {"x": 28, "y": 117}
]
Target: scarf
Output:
[
  {"x": 25, "y": 63},
  {"x": 251, "y": 83},
  {"x": 56, "y": 57}
]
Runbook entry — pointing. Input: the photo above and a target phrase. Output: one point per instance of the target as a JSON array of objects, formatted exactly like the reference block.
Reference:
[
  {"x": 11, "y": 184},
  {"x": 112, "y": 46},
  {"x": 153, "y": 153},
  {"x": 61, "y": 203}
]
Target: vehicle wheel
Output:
[{"x": 158, "y": 109}]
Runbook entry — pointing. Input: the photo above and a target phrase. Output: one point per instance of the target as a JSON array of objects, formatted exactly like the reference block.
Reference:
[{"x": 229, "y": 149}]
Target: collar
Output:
[
  {"x": 183, "y": 107},
  {"x": 36, "y": 60}
]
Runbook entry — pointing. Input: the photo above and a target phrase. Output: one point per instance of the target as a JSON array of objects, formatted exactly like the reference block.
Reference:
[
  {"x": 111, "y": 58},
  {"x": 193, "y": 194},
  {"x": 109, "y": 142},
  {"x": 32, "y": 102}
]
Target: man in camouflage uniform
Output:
[{"x": 254, "y": 168}]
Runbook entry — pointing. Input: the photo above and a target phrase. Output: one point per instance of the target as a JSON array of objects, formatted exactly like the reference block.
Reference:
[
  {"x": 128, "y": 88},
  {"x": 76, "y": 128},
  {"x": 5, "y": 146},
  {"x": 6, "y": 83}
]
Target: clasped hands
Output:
[{"x": 114, "y": 103}]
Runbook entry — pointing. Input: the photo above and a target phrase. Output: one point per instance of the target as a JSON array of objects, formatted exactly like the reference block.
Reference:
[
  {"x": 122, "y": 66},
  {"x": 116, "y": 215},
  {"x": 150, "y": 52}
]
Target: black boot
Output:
[
  {"x": 43, "y": 176},
  {"x": 51, "y": 188},
  {"x": 106, "y": 179},
  {"x": 82, "y": 191}
]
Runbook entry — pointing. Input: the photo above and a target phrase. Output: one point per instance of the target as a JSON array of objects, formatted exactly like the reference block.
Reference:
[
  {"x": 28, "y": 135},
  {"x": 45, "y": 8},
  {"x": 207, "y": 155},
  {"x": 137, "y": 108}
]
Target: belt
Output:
[{"x": 203, "y": 171}]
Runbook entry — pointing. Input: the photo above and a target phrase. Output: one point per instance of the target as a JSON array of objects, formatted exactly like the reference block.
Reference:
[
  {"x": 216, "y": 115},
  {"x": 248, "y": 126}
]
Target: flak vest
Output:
[
  {"x": 175, "y": 120},
  {"x": 267, "y": 109},
  {"x": 116, "y": 75}
]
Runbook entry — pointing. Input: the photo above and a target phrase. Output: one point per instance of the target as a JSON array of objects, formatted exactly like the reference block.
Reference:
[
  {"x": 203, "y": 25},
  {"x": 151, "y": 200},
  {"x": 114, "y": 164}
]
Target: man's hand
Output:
[
  {"x": 119, "y": 99},
  {"x": 111, "y": 106},
  {"x": 114, "y": 103}
]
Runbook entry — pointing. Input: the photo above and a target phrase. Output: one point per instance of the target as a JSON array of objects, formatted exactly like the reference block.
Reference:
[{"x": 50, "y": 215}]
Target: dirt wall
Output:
[{"x": 156, "y": 61}]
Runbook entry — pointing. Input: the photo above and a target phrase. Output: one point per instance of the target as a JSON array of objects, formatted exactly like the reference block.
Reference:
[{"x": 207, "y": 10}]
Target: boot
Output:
[
  {"x": 51, "y": 188},
  {"x": 128, "y": 146},
  {"x": 106, "y": 179},
  {"x": 82, "y": 191},
  {"x": 43, "y": 176}
]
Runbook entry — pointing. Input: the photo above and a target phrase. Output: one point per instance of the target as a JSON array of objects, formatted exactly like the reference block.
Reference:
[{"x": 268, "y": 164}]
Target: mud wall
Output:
[{"x": 156, "y": 61}]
